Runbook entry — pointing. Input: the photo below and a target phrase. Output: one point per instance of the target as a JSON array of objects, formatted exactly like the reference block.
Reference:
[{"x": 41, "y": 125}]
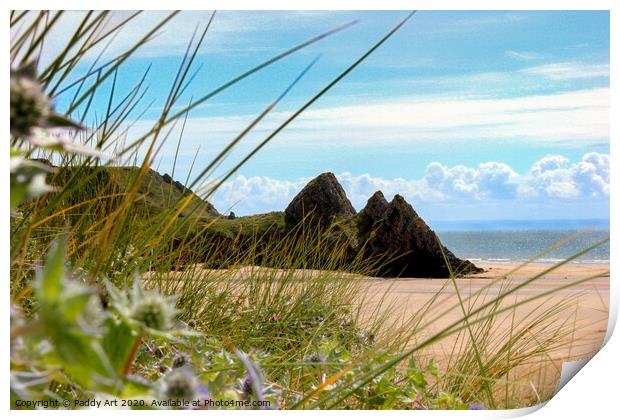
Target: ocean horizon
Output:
[
  {"x": 516, "y": 224},
  {"x": 511, "y": 241}
]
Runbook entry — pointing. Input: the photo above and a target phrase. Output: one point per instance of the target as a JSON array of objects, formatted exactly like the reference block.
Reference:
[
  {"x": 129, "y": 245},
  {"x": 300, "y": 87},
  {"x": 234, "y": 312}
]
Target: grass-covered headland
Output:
[{"x": 129, "y": 286}]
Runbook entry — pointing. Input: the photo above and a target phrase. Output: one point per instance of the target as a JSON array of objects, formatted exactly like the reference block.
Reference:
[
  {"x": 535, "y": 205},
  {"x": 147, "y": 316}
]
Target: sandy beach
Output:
[
  {"x": 569, "y": 322},
  {"x": 577, "y": 314},
  {"x": 585, "y": 304}
]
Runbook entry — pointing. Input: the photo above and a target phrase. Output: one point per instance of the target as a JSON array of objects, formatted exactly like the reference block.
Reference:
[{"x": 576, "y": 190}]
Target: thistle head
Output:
[
  {"x": 153, "y": 311},
  {"x": 180, "y": 383},
  {"x": 30, "y": 107},
  {"x": 315, "y": 358}
]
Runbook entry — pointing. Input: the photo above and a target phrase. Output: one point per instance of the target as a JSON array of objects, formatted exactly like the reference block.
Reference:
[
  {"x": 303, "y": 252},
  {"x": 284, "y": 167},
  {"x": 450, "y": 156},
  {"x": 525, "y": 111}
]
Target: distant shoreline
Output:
[
  {"x": 441, "y": 226},
  {"x": 543, "y": 261}
]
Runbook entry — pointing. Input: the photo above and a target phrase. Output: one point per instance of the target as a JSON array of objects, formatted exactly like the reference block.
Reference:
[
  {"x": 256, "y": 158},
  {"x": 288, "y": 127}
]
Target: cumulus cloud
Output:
[
  {"x": 489, "y": 180},
  {"x": 256, "y": 194},
  {"x": 552, "y": 177},
  {"x": 555, "y": 177}
]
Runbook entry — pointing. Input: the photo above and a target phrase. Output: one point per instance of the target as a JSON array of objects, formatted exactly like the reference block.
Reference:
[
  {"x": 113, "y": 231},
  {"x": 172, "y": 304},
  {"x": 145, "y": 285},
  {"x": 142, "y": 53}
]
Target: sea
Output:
[{"x": 510, "y": 241}]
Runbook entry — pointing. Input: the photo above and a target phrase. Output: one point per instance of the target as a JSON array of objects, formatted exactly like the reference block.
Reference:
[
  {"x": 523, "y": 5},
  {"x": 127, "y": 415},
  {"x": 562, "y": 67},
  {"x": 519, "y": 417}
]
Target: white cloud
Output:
[
  {"x": 555, "y": 177},
  {"x": 569, "y": 71},
  {"x": 522, "y": 55},
  {"x": 232, "y": 32},
  {"x": 571, "y": 116},
  {"x": 256, "y": 194},
  {"x": 551, "y": 178},
  {"x": 575, "y": 118}
]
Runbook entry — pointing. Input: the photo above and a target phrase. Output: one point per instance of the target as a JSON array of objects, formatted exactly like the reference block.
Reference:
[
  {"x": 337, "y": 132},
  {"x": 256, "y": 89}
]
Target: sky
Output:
[{"x": 468, "y": 115}]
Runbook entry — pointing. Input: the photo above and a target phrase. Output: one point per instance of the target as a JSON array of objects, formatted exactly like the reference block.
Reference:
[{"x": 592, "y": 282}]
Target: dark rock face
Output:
[
  {"x": 392, "y": 234},
  {"x": 184, "y": 191},
  {"x": 375, "y": 209},
  {"x": 405, "y": 245},
  {"x": 180, "y": 187},
  {"x": 322, "y": 200}
]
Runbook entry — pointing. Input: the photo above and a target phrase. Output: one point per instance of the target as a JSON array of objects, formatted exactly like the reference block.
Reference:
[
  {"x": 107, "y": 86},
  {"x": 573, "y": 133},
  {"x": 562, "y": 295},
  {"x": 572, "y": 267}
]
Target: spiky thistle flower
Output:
[
  {"x": 147, "y": 311},
  {"x": 315, "y": 358},
  {"x": 180, "y": 383},
  {"x": 153, "y": 311},
  {"x": 30, "y": 107}
]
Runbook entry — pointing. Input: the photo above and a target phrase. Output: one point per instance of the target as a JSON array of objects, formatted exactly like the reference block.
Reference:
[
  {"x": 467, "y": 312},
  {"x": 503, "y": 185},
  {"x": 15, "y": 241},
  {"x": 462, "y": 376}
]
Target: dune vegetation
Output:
[{"x": 126, "y": 287}]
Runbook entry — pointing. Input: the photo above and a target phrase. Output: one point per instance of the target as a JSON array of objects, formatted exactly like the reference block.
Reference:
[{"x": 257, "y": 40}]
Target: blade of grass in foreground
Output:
[
  {"x": 120, "y": 60},
  {"x": 472, "y": 336},
  {"x": 312, "y": 100},
  {"x": 226, "y": 150},
  {"x": 241, "y": 77}
]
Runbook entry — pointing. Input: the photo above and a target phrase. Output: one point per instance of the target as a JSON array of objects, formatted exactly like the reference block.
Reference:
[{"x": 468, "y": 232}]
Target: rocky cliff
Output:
[{"x": 391, "y": 233}]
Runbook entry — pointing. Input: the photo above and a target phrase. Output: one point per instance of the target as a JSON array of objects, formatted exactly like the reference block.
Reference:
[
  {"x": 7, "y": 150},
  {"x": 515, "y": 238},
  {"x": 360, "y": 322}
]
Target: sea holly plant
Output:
[
  {"x": 74, "y": 347},
  {"x": 72, "y": 344},
  {"x": 140, "y": 313},
  {"x": 147, "y": 312},
  {"x": 31, "y": 109},
  {"x": 70, "y": 336},
  {"x": 34, "y": 127},
  {"x": 64, "y": 336}
]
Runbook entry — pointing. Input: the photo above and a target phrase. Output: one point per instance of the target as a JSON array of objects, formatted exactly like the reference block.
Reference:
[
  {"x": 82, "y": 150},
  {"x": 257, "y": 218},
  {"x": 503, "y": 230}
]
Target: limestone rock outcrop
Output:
[
  {"x": 322, "y": 199},
  {"x": 406, "y": 247}
]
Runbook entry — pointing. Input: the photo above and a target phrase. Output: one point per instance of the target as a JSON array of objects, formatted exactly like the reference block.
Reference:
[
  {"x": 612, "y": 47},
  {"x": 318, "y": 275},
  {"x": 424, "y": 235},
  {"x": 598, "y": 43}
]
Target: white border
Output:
[
  {"x": 592, "y": 394},
  {"x": 319, "y": 5}
]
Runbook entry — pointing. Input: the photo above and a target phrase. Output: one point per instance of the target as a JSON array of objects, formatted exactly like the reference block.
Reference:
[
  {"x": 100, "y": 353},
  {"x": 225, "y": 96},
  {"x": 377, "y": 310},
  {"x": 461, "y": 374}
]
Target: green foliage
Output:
[{"x": 75, "y": 345}]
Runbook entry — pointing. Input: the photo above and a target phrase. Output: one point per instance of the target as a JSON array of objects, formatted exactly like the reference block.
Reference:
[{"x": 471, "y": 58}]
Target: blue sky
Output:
[{"x": 469, "y": 115}]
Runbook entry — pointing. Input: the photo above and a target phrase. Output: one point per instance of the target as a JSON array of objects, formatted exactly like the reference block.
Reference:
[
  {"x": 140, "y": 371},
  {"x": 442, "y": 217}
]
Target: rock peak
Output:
[
  {"x": 374, "y": 211},
  {"x": 407, "y": 247},
  {"x": 322, "y": 199},
  {"x": 377, "y": 197}
]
